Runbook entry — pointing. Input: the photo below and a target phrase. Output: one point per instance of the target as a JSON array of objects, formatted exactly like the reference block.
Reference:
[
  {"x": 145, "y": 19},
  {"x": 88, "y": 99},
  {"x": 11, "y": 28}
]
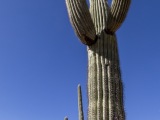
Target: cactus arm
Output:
[
  {"x": 80, "y": 105},
  {"x": 81, "y": 21},
  {"x": 117, "y": 15},
  {"x": 98, "y": 10}
]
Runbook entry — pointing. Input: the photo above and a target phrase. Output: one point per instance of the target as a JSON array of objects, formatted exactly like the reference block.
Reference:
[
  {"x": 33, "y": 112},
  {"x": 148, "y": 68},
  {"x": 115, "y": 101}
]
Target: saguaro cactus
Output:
[
  {"x": 65, "y": 118},
  {"x": 96, "y": 28}
]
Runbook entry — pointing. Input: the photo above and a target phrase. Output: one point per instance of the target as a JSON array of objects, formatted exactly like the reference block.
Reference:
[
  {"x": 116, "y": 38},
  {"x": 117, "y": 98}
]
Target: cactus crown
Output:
[{"x": 89, "y": 22}]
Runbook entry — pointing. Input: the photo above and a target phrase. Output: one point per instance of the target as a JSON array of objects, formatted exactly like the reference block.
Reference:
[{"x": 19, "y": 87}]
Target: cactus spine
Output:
[{"x": 96, "y": 28}]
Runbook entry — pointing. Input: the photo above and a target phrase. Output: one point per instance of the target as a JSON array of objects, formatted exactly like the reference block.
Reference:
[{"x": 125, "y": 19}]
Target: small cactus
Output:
[
  {"x": 66, "y": 118},
  {"x": 80, "y": 105},
  {"x": 96, "y": 28}
]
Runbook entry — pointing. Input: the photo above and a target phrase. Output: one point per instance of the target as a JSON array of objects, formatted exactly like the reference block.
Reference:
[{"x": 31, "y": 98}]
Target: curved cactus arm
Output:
[
  {"x": 80, "y": 105},
  {"x": 99, "y": 14},
  {"x": 81, "y": 21},
  {"x": 66, "y": 118},
  {"x": 118, "y": 12}
]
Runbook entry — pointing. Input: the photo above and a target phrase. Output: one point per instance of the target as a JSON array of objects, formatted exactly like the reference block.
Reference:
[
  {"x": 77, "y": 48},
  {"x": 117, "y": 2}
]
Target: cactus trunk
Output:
[{"x": 105, "y": 90}]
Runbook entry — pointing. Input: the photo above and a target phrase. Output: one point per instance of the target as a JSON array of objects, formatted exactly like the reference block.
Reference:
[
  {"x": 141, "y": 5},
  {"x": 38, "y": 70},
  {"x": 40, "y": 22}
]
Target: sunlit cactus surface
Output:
[{"x": 95, "y": 26}]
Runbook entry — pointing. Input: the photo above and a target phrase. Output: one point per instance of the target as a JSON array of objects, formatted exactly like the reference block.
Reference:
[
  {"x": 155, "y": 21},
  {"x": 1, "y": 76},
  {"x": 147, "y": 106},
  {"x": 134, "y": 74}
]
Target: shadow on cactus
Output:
[{"x": 96, "y": 27}]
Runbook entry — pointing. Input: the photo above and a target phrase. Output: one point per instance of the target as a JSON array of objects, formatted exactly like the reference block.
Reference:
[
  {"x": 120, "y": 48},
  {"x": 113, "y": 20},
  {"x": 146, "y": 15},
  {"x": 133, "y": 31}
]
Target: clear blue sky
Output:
[{"x": 42, "y": 61}]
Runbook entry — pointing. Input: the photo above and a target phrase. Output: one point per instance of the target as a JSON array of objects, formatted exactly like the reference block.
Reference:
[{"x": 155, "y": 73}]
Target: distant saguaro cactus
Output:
[
  {"x": 96, "y": 28},
  {"x": 65, "y": 118}
]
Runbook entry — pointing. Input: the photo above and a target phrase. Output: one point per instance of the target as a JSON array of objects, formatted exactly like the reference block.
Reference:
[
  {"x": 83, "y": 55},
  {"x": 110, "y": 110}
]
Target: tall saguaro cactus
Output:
[{"x": 96, "y": 28}]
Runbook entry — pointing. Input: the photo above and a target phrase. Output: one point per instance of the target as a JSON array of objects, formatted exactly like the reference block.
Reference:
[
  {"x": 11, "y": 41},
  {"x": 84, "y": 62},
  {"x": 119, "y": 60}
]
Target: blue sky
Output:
[{"x": 42, "y": 61}]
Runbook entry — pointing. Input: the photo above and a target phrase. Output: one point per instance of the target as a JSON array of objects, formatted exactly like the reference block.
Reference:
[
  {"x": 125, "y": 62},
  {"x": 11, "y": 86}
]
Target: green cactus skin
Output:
[
  {"x": 81, "y": 21},
  {"x": 80, "y": 105},
  {"x": 105, "y": 90},
  {"x": 96, "y": 28}
]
